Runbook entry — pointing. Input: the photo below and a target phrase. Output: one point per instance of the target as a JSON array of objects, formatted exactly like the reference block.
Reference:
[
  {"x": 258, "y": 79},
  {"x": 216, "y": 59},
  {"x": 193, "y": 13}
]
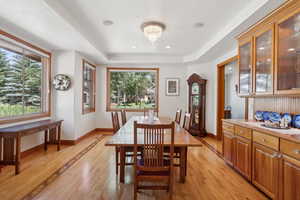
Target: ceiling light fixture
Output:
[
  {"x": 134, "y": 47},
  {"x": 153, "y": 30},
  {"x": 168, "y": 47}
]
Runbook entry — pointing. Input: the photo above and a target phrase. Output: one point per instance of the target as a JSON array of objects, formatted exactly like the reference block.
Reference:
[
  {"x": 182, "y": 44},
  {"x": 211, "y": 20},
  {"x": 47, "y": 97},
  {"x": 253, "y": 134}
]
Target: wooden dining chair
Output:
[
  {"x": 115, "y": 121},
  {"x": 128, "y": 150},
  {"x": 123, "y": 117},
  {"x": 153, "y": 167},
  {"x": 116, "y": 127},
  {"x": 178, "y": 116},
  {"x": 146, "y": 111},
  {"x": 187, "y": 121}
]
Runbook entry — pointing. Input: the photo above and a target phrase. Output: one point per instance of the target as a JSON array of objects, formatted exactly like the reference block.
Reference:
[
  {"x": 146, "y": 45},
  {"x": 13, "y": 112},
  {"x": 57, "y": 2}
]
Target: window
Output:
[
  {"x": 132, "y": 89},
  {"x": 24, "y": 80},
  {"x": 88, "y": 88}
]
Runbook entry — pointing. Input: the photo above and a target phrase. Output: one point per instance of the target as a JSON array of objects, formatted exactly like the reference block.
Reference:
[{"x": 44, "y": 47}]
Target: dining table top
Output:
[{"x": 125, "y": 135}]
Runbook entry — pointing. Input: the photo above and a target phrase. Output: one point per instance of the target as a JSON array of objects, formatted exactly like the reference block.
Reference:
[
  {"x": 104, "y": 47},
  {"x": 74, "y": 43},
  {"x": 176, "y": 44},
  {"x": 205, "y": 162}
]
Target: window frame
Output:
[
  {"x": 91, "y": 109},
  {"x": 108, "y": 102},
  {"x": 28, "y": 46}
]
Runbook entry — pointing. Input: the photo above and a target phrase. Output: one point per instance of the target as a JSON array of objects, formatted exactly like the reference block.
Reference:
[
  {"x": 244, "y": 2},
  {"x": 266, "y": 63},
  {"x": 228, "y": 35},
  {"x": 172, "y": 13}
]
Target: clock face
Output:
[{"x": 61, "y": 82}]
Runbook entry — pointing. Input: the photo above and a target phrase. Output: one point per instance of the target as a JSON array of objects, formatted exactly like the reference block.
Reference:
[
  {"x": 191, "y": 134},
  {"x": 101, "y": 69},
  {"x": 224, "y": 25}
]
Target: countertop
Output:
[{"x": 292, "y": 134}]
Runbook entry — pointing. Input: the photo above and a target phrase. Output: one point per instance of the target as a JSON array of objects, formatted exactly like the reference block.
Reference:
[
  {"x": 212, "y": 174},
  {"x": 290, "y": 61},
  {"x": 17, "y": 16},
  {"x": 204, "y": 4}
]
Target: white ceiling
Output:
[{"x": 77, "y": 25}]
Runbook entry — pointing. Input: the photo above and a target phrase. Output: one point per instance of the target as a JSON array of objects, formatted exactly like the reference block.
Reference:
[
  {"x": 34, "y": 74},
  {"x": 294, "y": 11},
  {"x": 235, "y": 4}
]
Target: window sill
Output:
[{"x": 24, "y": 118}]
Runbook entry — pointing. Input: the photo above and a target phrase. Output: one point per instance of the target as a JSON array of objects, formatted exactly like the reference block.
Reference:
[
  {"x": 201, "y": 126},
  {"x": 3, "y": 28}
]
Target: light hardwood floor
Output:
[
  {"x": 216, "y": 144},
  {"x": 93, "y": 177}
]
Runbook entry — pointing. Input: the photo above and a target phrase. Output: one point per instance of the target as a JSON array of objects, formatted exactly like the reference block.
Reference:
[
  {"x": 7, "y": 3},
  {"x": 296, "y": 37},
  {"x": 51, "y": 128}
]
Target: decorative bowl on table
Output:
[
  {"x": 288, "y": 117},
  {"x": 296, "y": 121},
  {"x": 274, "y": 117},
  {"x": 259, "y": 115}
]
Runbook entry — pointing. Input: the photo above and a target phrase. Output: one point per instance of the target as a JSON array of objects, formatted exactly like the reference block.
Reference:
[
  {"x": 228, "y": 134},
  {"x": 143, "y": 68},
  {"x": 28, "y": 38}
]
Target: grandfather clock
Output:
[{"x": 197, "y": 96}]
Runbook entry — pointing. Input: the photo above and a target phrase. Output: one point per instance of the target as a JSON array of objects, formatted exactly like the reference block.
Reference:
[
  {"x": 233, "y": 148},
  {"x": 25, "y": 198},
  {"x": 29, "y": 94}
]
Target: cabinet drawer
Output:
[
  {"x": 290, "y": 148},
  {"x": 243, "y": 132},
  {"x": 228, "y": 127},
  {"x": 266, "y": 140}
]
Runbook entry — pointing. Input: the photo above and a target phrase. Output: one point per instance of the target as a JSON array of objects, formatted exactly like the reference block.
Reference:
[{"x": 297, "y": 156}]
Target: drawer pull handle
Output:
[
  {"x": 296, "y": 151},
  {"x": 274, "y": 155}
]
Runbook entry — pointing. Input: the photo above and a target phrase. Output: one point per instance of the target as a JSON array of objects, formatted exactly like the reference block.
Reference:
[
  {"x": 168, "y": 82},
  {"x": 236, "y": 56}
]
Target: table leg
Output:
[
  {"x": 46, "y": 140},
  {"x": 58, "y": 137},
  {"x": 18, "y": 154},
  {"x": 122, "y": 164},
  {"x": 186, "y": 159},
  {"x": 183, "y": 164}
]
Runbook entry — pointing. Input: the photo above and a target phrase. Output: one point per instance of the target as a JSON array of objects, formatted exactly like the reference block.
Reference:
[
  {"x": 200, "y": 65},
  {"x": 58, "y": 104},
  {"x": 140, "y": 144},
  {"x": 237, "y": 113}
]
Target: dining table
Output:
[{"x": 124, "y": 138}]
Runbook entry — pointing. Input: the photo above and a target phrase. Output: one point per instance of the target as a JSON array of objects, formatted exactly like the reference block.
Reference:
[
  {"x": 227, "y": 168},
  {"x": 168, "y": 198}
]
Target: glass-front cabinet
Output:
[
  {"x": 269, "y": 54},
  {"x": 288, "y": 55},
  {"x": 245, "y": 68},
  {"x": 263, "y": 61},
  {"x": 197, "y": 90}
]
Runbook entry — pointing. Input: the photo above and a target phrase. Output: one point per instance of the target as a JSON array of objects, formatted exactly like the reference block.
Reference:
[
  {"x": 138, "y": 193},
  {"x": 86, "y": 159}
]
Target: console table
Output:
[{"x": 10, "y": 139}]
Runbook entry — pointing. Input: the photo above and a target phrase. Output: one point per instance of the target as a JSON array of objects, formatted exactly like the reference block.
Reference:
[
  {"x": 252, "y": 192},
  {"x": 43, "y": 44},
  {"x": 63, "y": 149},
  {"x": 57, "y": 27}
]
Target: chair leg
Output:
[
  {"x": 170, "y": 190},
  {"x": 117, "y": 160},
  {"x": 135, "y": 190}
]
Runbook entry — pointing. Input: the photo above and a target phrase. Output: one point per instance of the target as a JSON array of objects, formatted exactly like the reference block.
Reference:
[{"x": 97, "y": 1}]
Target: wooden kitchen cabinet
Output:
[
  {"x": 243, "y": 156},
  {"x": 289, "y": 179},
  {"x": 265, "y": 169},
  {"x": 229, "y": 147},
  {"x": 269, "y": 54}
]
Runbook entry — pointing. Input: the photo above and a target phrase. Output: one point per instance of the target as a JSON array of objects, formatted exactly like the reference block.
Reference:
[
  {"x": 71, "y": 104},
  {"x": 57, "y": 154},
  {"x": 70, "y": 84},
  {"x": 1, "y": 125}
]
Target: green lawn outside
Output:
[{"x": 7, "y": 110}]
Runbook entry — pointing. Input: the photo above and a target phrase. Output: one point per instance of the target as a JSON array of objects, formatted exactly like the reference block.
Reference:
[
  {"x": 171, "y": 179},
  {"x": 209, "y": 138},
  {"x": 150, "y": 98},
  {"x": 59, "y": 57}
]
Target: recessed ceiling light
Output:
[
  {"x": 261, "y": 48},
  {"x": 168, "y": 47},
  {"x": 108, "y": 22},
  {"x": 198, "y": 25},
  {"x": 134, "y": 47}
]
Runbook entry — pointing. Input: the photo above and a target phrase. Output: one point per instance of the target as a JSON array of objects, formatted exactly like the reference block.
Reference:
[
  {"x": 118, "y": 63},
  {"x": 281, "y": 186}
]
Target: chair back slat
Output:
[
  {"x": 123, "y": 117},
  {"x": 153, "y": 147},
  {"x": 178, "y": 116},
  {"x": 115, "y": 121},
  {"x": 187, "y": 121}
]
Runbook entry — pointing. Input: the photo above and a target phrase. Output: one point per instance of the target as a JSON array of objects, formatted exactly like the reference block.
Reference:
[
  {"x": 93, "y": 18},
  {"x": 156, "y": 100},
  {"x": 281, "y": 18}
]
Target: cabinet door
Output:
[
  {"x": 289, "y": 179},
  {"x": 265, "y": 170},
  {"x": 228, "y": 148},
  {"x": 243, "y": 157},
  {"x": 263, "y": 61},
  {"x": 245, "y": 68},
  {"x": 287, "y": 74}
]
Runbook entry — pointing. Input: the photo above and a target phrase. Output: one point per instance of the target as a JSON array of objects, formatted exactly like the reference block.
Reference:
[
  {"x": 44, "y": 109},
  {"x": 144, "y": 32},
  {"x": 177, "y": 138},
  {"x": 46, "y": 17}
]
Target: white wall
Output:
[
  {"x": 68, "y": 104},
  {"x": 167, "y": 104},
  {"x": 84, "y": 122},
  {"x": 208, "y": 71},
  {"x": 63, "y": 62}
]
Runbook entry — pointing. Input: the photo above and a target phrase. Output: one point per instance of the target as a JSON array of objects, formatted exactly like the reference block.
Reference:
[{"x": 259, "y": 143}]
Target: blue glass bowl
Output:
[
  {"x": 274, "y": 117},
  {"x": 259, "y": 115},
  {"x": 296, "y": 121},
  {"x": 288, "y": 116},
  {"x": 266, "y": 115}
]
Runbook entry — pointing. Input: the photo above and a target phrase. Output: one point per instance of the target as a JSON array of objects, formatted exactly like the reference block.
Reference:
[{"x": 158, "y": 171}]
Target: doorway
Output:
[{"x": 229, "y": 105}]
